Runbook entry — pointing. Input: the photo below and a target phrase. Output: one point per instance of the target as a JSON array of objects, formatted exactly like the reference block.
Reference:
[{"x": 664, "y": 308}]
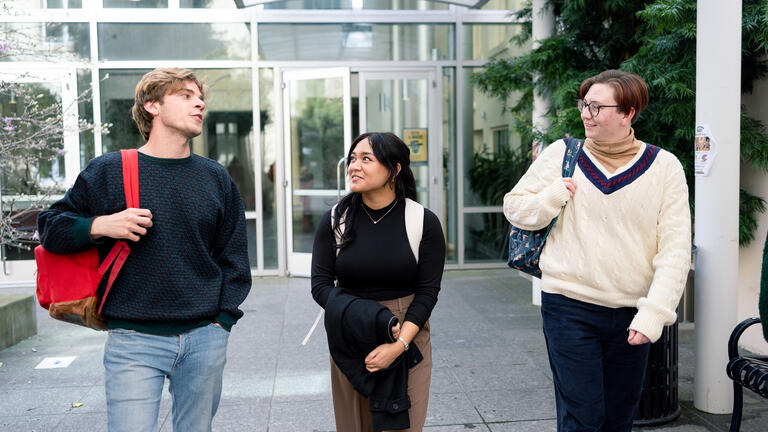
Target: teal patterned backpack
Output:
[{"x": 525, "y": 246}]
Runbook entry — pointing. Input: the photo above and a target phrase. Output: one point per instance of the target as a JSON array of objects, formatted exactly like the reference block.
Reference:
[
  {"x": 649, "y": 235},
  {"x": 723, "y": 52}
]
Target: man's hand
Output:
[
  {"x": 383, "y": 355},
  {"x": 637, "y": 338},
  {"x": 128, "y": 224}
]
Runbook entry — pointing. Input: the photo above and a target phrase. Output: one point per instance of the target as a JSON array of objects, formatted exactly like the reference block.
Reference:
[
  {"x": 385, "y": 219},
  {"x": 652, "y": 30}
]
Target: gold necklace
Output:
[{"x": 375, "y": 221}]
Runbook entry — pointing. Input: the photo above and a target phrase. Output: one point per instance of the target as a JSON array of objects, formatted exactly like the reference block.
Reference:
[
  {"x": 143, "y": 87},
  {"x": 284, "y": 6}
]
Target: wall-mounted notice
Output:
[{"x": 705, "y": 150}]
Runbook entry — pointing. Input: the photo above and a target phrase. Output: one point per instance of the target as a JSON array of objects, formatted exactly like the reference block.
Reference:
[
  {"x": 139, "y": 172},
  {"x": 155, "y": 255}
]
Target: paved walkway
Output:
[{"x": 490, "y": 368}]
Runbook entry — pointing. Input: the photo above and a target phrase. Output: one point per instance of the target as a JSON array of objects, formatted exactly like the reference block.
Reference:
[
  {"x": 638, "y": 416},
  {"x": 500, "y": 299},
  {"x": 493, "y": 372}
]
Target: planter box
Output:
[{"x": 17, "y": 318}]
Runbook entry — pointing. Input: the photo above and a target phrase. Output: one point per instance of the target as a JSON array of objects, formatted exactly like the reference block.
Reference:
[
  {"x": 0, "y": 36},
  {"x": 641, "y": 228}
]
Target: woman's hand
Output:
[
  {"x": 637, "y": 338},
  {"x": 396, "y": 330},
  {"x": 383, "y": 355},
  {"x": 570, "y": 185}
]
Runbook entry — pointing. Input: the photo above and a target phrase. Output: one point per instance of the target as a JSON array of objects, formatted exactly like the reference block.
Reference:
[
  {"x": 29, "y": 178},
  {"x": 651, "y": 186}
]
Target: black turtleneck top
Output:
[{"x": 378, "y": 263}]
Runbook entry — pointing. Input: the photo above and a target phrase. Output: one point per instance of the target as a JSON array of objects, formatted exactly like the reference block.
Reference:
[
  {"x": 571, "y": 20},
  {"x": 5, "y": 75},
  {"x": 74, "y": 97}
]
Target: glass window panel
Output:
[
  {"x": 135, "y": 3},
  {"x": 44, "y": 42},
  {"x": 449, "y": 164},
  {"x": 250, "y": 227},
  {"x": 308, "y": 211},
  {"x": 116, "y": 102},
  {"x": 269, "y": 153},
  {"x": 356, "y": 41},
  {"x": 208, "y": 41},
  {"x": 85, "y": 112},
  {"x": 486, "y": 41},
  {"x": 485, "y": 237},
  {"x": 45, "y": 173},
  {"x": 228, "y": 127},
  {"x": 42, "y": 4},
  {"x": 358, "y": 4},
  {"x": 491, "y": 168},
  {"x": 227, "y": 124},
  {"x": 208, "y": 4},
  {"x": 504, "y": 4},
  {"x": 64, "y": 4},
  {"x": 316, "y": 138}
]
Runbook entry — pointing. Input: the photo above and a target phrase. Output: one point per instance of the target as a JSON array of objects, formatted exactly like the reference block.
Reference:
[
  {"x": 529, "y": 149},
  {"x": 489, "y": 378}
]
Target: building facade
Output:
[{"x": 291, "y": 84}]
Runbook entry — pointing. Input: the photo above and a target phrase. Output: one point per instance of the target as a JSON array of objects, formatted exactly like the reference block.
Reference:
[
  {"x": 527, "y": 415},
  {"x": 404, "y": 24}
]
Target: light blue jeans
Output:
[{"x": 136, "y": 367}]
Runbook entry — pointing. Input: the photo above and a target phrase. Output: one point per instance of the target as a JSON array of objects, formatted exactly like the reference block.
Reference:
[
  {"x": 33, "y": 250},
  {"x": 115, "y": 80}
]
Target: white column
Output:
[
  {"x": 718, "y": 97},
  {"x": 542, "y": 27}
]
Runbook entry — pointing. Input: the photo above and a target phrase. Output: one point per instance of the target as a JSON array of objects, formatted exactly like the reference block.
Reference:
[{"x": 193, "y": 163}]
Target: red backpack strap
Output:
[
  {"x": 131, "y": 177},
  {"x": 119, "y": 253}
]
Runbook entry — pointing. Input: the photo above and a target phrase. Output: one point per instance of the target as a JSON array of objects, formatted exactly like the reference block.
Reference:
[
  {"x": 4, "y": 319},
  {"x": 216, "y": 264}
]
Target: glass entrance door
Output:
[
  {"x": 407, "y": 103},
  {"x": 317, "y": 134}
]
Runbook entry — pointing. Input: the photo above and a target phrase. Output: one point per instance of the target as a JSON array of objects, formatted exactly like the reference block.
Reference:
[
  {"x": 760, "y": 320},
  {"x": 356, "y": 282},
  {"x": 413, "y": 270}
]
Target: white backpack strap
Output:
[
  {"x": 337, "y": 234},
  {"x": 414, "y": 225}
]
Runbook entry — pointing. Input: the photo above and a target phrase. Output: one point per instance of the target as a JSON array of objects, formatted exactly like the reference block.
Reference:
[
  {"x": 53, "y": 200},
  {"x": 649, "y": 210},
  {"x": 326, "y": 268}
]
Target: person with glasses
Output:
[{"x": 616, "y": 261}]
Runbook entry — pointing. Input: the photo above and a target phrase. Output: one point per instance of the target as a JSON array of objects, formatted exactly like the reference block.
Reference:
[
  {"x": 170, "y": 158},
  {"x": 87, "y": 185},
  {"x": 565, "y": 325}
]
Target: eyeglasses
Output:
[{"x": 594, "y": 107}]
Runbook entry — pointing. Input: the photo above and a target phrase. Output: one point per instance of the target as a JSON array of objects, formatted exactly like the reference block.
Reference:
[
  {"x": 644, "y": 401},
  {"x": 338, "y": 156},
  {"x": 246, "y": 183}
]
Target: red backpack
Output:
[{"x": 68, "y": 284}]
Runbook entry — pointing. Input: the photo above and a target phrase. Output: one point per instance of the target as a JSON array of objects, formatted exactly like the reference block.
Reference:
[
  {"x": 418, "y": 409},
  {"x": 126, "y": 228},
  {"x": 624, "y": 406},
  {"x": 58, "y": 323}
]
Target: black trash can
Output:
[{"x": 659, "y": 402}]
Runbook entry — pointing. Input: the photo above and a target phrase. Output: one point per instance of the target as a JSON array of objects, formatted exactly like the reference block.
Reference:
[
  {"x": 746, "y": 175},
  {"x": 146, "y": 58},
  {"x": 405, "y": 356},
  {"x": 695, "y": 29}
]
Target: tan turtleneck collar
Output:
[{"x": 614, "y": 155}]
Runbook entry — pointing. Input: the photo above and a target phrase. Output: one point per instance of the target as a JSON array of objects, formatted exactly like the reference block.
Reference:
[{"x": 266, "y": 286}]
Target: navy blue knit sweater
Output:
[{"x": 192, "y": 265}]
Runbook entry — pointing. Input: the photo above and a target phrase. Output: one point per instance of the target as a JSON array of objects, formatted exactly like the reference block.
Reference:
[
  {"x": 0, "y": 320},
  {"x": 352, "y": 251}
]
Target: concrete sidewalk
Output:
[{"x": 490, "y": 368}]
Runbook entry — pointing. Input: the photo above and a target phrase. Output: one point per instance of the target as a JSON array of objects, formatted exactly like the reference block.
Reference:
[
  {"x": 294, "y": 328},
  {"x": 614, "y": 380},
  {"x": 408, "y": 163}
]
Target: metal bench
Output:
[{"x": 746, "y": 372}]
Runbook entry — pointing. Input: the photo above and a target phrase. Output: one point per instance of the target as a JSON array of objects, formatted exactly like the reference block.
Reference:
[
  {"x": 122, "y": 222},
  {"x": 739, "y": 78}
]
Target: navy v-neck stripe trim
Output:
[{"x": 593, "y": 173}]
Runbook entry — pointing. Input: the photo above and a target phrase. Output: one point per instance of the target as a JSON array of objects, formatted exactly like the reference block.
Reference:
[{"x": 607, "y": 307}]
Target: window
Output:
[{"x": 358, "y": 41}]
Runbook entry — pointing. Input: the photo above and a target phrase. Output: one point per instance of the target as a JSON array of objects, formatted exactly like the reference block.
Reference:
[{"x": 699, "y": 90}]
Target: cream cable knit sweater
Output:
[{"x": 624, "y": 239}]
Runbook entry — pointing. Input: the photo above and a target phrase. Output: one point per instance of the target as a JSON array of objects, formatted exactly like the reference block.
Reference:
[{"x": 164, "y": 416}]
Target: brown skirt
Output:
[{"x": 351, "y": 408}]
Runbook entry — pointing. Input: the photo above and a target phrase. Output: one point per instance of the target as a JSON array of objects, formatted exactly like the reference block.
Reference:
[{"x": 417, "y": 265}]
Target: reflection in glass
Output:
[
  {"x": 250, "y": 226},
  {"x": 268, "y": 159},
  {"x": 485, "y": 237},
  {"x": 317, "y": 144},
  {"x": 85, "y": 112},
  {"x": 508, "y": 5},
  {"x": 46, "y": 173},
  {"x": 487, "y": 41},
  {"x": 208, "y": 4},
  {"x": 116, "y": 102},
  {"x": 135, "y": 3},
  {"x": 356, "y": 41},
  {"x": 360, "y": 4},
  {"x": 188, "y": 41},
  {"x": 45, "y": 42},
  {"x": 43, "y": 175},
  {"x": 450, "y": 189},
  {"x": 494, "y": 157},
  {"x": 227, "y": 123},
  {"x": 307, "y": 212},
  {"x": 228, "y": 127},
  {"x": 18, "y": 5},
  {"x": 397, "y": 106},
  {"x": 64, "y": 4}
]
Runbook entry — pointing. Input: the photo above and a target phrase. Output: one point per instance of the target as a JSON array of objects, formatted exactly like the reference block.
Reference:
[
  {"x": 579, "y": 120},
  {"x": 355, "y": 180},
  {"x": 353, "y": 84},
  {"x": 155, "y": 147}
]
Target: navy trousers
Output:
[{"x": 598, "y": 375}]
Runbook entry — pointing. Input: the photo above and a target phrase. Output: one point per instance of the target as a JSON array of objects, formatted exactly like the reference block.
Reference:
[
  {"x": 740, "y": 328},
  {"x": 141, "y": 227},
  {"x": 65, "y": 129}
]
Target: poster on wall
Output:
[
  {"x": 705, "y": 150},
  {"x": 416, "y": 139}
]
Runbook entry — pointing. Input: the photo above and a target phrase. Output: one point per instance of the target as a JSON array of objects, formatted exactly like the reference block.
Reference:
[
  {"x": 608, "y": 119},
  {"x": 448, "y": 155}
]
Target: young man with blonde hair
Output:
[{"x": 171, "y": 308}]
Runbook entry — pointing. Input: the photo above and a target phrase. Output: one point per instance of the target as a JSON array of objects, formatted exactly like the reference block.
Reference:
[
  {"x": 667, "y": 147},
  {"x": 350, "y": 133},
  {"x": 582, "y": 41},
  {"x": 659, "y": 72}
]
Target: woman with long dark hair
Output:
[{"x": 366, "y": 246}]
